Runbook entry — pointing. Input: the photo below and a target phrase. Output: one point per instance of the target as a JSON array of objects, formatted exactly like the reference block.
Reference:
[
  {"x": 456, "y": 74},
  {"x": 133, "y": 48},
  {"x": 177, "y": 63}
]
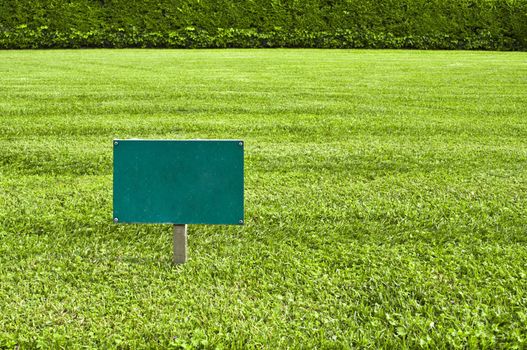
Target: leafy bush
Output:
[{"x": 419, "y": 24}]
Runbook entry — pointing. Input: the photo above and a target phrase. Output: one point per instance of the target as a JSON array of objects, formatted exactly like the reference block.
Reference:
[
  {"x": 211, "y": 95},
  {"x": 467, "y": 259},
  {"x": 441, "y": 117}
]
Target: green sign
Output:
[{"x": 178, "y": 182}]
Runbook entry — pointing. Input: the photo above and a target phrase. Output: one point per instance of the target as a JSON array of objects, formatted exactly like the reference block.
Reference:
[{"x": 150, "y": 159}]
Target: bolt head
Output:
[
  {"x": 240, "y": 143},
  {"x": 241, "y": 221},
  {"x": 115, "y": 143},
  {"x": 115, "y": 220}
]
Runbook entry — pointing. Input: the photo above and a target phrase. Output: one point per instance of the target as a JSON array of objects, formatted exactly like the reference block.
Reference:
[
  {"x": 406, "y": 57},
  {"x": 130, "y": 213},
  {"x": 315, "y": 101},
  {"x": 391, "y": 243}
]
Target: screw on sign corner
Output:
[{"x": 115, "y": 220}]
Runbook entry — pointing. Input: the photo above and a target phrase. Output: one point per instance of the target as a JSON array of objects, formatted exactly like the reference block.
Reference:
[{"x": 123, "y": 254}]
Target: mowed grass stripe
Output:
[{"x": 386, "y": 194}]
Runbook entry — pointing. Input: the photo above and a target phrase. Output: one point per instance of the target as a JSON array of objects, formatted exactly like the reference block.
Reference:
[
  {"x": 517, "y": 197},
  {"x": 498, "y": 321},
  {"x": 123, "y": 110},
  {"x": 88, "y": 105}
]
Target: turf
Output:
[{"x": 386, "y": 198}]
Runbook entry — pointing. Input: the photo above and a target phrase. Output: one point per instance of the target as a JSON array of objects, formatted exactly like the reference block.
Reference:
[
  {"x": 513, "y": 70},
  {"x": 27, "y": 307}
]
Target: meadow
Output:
[{"x": 385, "y": 195}]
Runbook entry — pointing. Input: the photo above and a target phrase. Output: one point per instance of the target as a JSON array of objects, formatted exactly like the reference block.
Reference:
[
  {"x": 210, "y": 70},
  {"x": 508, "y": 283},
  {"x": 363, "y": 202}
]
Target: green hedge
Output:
[{"x": 420, "y": 24}]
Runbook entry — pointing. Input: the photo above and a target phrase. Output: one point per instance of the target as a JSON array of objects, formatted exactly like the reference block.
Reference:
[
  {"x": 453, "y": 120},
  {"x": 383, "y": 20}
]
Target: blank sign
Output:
[{"x": 178, "y": 182}]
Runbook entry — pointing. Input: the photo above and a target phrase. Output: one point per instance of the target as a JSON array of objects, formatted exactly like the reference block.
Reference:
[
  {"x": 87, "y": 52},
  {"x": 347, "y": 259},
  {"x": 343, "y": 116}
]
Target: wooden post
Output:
[{"x": 180, "y": 244}]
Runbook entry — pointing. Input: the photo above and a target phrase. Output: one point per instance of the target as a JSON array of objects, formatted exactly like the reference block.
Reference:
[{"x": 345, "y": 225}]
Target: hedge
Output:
[{"x": 417, "y": 24}]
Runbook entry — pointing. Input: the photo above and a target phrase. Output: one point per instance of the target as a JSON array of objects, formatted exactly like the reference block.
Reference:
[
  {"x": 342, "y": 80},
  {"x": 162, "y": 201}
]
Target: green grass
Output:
[{"x": 386, "y": 200}]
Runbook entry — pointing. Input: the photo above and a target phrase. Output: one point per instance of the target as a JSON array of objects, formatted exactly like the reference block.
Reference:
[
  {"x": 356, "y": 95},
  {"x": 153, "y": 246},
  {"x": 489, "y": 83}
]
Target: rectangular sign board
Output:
[{"x": 178, "y": 182}]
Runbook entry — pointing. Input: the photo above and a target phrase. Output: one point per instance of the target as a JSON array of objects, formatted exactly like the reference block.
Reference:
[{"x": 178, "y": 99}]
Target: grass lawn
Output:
[{"x": 386, "y": 200}]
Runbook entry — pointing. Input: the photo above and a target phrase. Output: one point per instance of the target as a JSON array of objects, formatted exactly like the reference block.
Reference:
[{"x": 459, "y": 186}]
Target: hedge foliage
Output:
[{"x": 421, "y": 24}]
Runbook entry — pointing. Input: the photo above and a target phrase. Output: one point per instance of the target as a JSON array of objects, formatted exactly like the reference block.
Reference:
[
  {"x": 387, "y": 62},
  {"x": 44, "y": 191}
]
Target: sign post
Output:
[
  {"x": 179, "y": 183},
  {"x": 180, "y": 244}
]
